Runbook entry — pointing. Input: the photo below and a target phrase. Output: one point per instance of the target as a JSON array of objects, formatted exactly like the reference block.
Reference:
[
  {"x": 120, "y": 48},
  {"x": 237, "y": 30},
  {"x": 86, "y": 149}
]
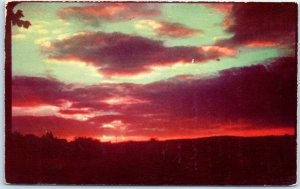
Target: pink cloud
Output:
[
  {"x": 176, "y": 30},
  {"x": 97, "y": 13}
]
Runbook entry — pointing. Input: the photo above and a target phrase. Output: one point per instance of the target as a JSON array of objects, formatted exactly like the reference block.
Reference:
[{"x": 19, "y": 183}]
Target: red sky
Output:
[{"x": 257, "y": 99}]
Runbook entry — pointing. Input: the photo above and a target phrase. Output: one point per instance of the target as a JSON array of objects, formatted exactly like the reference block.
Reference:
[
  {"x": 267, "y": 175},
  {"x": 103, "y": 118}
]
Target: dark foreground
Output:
[{"x": 207, "y": 161}]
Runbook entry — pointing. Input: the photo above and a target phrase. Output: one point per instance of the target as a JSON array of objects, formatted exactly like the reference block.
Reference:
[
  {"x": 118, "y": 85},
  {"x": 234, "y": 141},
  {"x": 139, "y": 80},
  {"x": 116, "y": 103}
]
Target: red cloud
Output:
[
  {"x": 176, "y": 30},
  {"x": 65, "y": 128},
  {"x": 224, "y": 8},
  {"x": 73, "y": 111},
  {"x": 264, "y": 97},
  {"x": 96, "y": 13},
  {"x": 120, "y": 54},
  {"x": 251, "y": 92},
  {"x": 35, "y": 91},
  {"x": 262, "y": 44}
]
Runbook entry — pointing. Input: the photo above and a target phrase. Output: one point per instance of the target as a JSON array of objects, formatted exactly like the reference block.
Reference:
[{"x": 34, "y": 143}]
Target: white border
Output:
[{"x": 2, "y": 30}]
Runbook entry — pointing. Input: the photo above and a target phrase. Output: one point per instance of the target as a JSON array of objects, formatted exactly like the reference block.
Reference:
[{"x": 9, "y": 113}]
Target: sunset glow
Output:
[{"x": 121, "y": 72}]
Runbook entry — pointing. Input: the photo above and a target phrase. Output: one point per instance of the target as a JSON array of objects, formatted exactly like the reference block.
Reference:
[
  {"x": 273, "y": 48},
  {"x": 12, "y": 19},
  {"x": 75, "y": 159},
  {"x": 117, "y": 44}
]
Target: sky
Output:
[{"x": 135, "y": 71}]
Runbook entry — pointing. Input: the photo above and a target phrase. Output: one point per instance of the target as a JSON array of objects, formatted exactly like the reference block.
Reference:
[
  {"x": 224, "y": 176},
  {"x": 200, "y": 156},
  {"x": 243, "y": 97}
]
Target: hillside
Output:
[{"x": 206, "y": 161}]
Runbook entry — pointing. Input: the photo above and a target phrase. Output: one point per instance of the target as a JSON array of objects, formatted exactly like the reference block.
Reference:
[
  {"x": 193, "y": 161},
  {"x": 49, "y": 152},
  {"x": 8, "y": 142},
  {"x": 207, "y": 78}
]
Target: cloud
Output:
[
  {"x": 224, "y": 8},
  {"x": 95, "y": 14},
  {"x": 261, "y": 97},
  {"x": 19, "y": 36},
  {"x": 60, "y": 127},
  {"x": 262, "y": 44},
  {"x": 33, "y": 91},
  {"x": 262, "y": 22},
  {"x": 174, "y": 30},
  {"x": 121, "y": 54},
  {"x": 41, "y": 110},
  {"x": 121, "y": 100},
  {"x": 265, "y": 93},
  {"x": 47, "y": 97},
  {"x": 226, "y": 51},
  {"x": 116, "y": 124}
]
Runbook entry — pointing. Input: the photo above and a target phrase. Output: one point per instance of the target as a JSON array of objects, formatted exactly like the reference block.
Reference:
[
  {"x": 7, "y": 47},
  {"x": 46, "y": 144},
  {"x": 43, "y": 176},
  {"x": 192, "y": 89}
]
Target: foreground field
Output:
[{"x": 205, "y": 161}]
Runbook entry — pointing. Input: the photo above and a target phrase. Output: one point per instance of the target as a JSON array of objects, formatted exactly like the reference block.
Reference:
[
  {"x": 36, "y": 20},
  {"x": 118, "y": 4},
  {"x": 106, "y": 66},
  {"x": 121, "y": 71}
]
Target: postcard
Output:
[{"x": 150, "y": 93}]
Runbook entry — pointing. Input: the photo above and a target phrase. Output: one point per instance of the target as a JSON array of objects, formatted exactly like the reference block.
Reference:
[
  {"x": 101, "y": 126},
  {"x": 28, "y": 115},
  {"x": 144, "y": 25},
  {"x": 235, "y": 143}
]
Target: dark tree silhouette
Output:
[
  {"x": 205, "y": 161},
  {"x": 48, "y": 135},
  {"x": 16, "y": 20},
  {"x": 11, "y": 19}
]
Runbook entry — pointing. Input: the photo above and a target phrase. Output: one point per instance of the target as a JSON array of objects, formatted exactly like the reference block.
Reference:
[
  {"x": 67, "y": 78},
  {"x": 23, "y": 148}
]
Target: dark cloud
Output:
[
  {"x": 260, "y": 93},
  {"x": 263, "y": 92},
  {"x": 35, "y": 90},
  {"x": 94, "y": 14},
  {"x": 116, "y": 53},
  {"x": 263, "y": 96},
  {"x": 269, "y": 22}
]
